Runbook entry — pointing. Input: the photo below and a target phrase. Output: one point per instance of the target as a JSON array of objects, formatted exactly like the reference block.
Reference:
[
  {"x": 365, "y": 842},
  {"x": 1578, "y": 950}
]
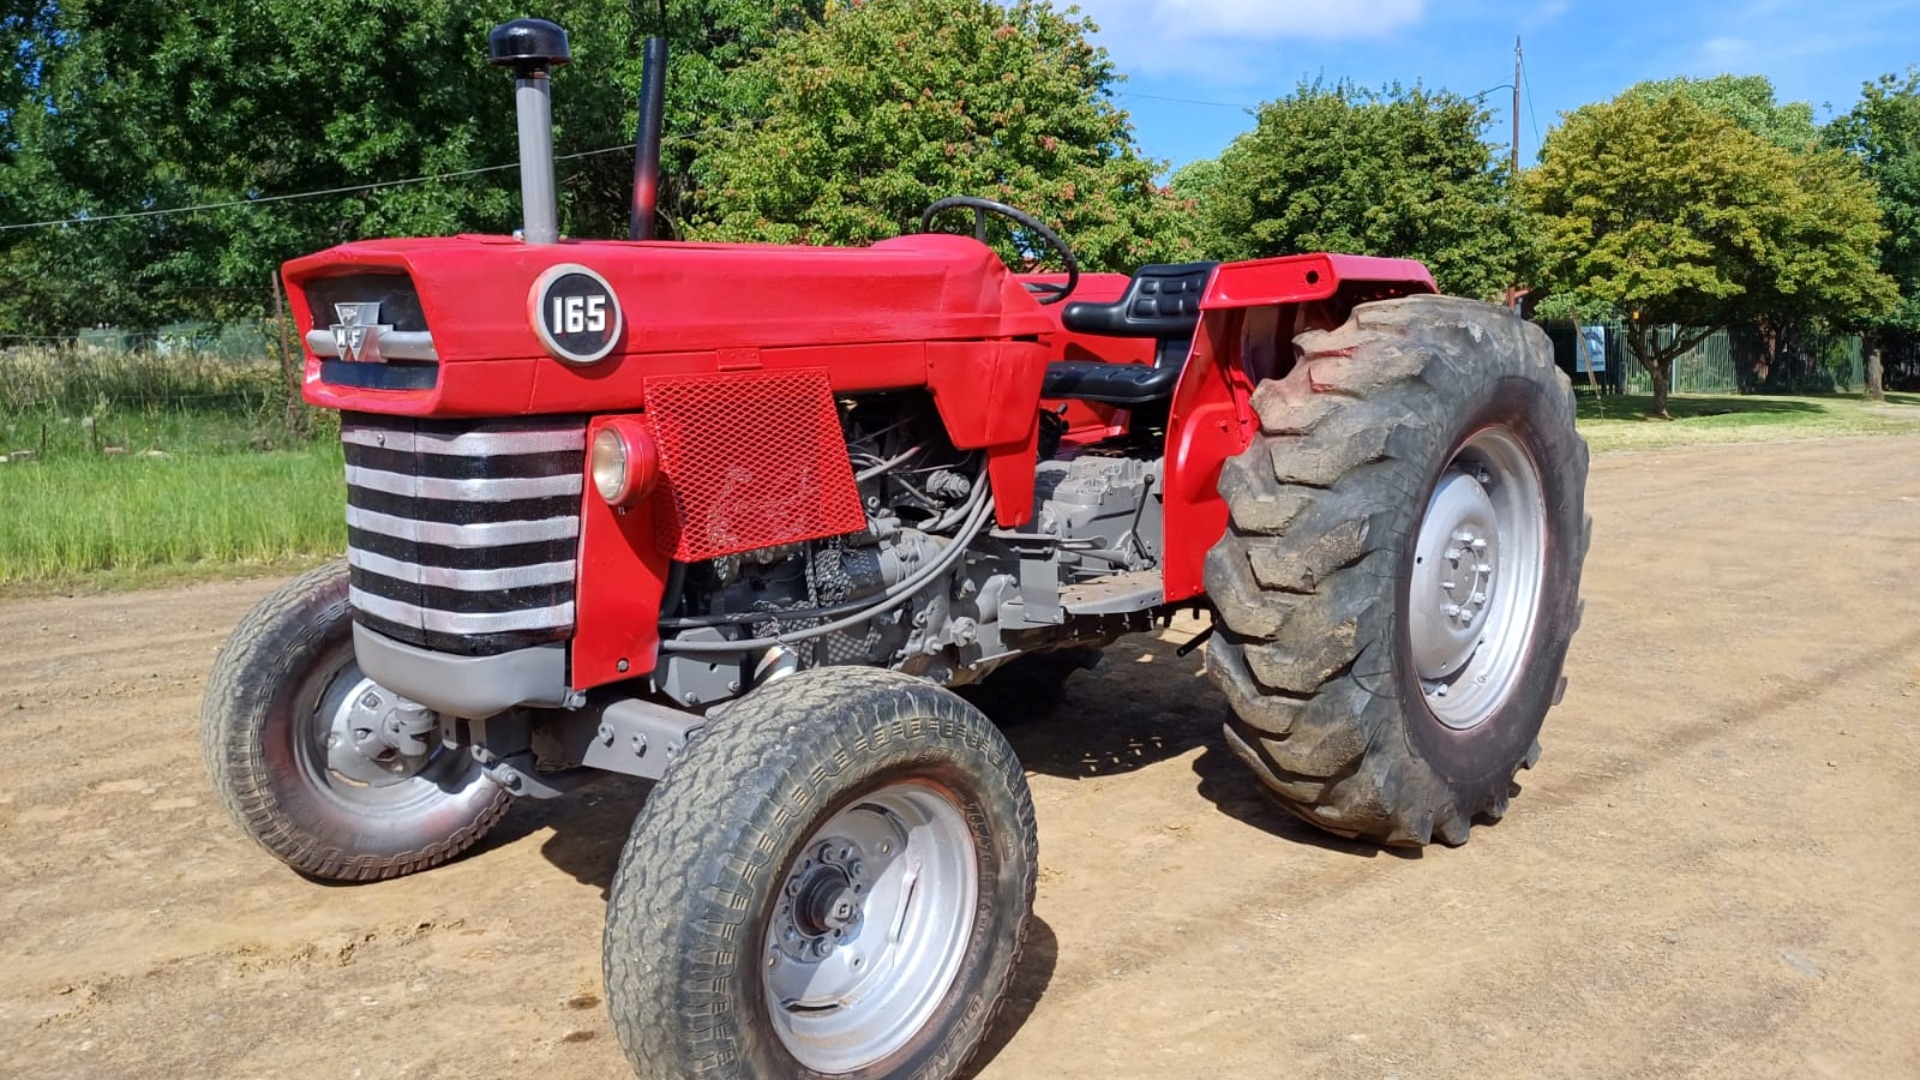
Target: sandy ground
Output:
[{"x": 1714, "y": 872}]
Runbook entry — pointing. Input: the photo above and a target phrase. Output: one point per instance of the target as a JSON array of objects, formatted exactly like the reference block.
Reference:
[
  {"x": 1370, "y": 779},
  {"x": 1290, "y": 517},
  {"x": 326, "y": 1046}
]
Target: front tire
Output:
[
  {"x": 834, "y": 879},
  {"x": 283, "y": 703},
  {"x": 1400, "y": 579}
]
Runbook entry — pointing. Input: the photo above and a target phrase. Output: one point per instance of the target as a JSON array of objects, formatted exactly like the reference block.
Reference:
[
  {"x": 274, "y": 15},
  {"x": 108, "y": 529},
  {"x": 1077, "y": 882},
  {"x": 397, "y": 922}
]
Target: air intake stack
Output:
[{"x": 533, "y": 48}]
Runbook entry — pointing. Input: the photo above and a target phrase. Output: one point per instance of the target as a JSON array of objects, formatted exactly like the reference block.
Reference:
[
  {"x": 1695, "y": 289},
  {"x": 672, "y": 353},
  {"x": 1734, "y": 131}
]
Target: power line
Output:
[
  {"x": 668, "y": 141},
  {"x": 1186, "y": 101},
  {"x": 264, "y": 199},
  {"x": 1531, "y": 118},
  {"x": 1256, "y": 108}
]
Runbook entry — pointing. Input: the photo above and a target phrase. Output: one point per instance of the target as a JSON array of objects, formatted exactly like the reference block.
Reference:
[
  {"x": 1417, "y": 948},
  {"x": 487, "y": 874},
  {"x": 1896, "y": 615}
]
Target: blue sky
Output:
[{"x": 1241, "y": 52}]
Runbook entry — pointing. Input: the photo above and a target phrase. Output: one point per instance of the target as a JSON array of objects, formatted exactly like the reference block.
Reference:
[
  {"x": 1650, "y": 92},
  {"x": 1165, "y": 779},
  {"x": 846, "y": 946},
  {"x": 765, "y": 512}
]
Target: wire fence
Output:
[
  {"x": 197, "y": 387},
  {"x": 1734, "y": 361}
]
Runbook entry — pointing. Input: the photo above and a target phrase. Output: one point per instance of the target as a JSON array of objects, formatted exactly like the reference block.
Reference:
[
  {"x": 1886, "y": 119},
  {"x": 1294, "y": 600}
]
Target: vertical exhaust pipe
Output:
[
  {"x": 646, "y": 142},
  {"x": 533, "y": 48}
]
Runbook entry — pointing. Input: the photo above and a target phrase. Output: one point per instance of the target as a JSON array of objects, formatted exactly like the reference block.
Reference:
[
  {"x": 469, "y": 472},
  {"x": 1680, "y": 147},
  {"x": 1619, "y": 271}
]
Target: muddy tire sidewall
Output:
[{"x": 1487, "y": 750}]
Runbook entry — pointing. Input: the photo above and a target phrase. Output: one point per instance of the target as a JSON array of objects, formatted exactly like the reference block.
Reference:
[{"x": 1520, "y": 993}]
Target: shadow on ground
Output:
[
  {"x": 1693, "y": 406},
  {"x": 1030, "y": 981}
]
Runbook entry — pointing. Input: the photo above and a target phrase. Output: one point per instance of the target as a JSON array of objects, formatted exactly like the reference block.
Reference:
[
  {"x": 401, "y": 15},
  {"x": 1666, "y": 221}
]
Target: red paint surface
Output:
[
  {"x": 1212, "y": 416},
  {"x": 936, "y": 311},
  {"x": 622, "y": 577},
  {"x": 1088, "y": 421},
  {"x": 749, "y": 460},
  {"x": 1293, "y": 279}
]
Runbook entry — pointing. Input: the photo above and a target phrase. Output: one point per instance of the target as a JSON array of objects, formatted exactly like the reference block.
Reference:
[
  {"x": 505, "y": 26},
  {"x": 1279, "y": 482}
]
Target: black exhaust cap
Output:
[{"x": 532, "y": 47}]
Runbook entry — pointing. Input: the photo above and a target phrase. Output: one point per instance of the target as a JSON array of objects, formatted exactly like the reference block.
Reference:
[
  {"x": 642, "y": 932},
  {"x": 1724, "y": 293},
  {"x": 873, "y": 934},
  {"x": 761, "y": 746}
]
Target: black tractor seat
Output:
[{"x": 1162, "y": 302}]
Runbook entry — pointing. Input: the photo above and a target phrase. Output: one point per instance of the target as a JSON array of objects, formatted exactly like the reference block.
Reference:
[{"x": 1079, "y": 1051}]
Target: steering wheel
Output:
[{"x": 1047, "y": 292}]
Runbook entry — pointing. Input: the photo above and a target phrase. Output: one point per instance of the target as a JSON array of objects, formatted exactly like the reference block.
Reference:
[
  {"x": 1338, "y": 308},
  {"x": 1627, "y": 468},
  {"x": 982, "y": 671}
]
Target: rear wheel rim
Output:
[
  {"x": 870, "y": 926},
  {"x": 1479, "y": 565}
]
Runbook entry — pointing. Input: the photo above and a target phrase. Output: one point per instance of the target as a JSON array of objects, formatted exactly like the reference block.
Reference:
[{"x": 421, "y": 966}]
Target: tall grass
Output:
[
  {"x": 68, "y": 401},
  {"x": 68, "y": 518},
  {"x": 238, "y": 477}
]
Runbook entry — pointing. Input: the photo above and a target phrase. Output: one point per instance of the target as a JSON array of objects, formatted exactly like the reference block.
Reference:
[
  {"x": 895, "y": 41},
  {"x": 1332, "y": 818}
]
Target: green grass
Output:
[
  {"x": 1621, "y": 422},
  {"x": 89, "y": 402},
  {"x": 238, "y": 493},
  {"x": 70, "y": 519}
]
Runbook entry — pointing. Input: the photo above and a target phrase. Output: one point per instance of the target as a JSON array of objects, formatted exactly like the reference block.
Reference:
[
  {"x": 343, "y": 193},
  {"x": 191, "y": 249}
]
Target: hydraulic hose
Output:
[
  {"x": 982, "y": 510},
  {"x": 736, "y": 618}
]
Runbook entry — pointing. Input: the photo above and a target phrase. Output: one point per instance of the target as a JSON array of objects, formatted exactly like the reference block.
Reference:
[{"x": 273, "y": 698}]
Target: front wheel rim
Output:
[
  {"x": 331, "y": 705},
  {"x": 1473, "y": 599},
  {"x": 870, "y": 927}
]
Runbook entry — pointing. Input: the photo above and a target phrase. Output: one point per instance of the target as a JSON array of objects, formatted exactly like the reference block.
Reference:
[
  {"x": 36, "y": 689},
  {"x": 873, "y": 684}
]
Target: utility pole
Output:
[{"x": 1516, "y": 106}]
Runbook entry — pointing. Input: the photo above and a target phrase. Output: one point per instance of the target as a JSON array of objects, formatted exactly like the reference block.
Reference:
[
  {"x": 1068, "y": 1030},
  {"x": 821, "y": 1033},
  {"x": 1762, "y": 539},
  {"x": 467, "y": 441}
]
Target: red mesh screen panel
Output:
[{"x": 749, "y": 460}]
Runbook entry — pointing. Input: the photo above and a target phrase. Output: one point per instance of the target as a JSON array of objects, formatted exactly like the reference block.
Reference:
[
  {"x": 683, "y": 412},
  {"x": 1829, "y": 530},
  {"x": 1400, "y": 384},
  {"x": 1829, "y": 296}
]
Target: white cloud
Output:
[
  {"x": 1727, "y": 51},
  {"x": 1265, "y": 20},
  {"x": 1198, "y": 35}
]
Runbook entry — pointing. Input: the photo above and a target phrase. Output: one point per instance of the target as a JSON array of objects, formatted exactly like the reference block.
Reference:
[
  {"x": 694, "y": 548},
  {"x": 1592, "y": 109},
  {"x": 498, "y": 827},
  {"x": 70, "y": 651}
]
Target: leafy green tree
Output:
[
  {"x": 1784, "y": 327},
  {"x": 1747, "y": 100},
  {"x": 1667, "y": 214},
  {"x": 1400, "y": 172},
  {"x": 886, "y": 106},
  {"x": 116, "y": 106},
  {"x": 1882, "y": 132}
]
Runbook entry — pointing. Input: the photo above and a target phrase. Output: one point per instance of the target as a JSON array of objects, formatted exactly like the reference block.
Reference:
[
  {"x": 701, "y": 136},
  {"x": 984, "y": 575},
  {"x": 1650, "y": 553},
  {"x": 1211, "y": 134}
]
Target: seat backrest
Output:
[{"x": 1162, "y": 302}]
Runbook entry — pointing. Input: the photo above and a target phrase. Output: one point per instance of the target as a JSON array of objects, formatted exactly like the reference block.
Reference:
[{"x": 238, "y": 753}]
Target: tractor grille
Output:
[
  {"x": 462, "y": 535},
  {"x": 751, "y": 459}
]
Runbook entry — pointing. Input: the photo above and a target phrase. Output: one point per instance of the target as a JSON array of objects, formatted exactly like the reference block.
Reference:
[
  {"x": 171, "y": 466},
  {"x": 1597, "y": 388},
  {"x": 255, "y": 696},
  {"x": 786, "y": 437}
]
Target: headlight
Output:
[{"x": 623, "y": 461}]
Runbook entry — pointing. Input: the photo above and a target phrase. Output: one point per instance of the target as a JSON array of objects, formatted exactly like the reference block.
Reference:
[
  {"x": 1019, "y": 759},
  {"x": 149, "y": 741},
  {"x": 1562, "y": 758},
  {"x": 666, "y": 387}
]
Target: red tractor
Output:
[{"x": 741, "y": 518}]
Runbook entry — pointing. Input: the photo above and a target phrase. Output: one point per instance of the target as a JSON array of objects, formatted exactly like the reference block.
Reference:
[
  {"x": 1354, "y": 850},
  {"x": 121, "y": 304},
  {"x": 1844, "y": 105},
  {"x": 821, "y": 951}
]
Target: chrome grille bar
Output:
[
  {"x": 462, "y": 623},
  {"x": 463, "y": 535},
  {"x": 479, "y": 443},
  {"x": 444, "y": 577},
  {"x": 499, "y": 489},
  {"x": 471, "y": 537}
]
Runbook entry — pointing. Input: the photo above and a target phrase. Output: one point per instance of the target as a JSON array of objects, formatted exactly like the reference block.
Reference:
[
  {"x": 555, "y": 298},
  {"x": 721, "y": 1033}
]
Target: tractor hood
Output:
[{"x": 479, "y": 325}]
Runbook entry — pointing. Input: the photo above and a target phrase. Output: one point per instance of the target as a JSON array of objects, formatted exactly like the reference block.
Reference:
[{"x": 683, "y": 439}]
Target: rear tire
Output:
[
  {"x": 833, "y": 879},
  {"x": 279, "y": 691},
  {"x": 1400, "y": 579}
]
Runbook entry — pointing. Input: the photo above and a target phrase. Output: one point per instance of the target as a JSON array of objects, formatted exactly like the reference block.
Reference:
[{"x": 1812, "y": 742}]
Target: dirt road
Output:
[{"x": 1714, "y": 872}]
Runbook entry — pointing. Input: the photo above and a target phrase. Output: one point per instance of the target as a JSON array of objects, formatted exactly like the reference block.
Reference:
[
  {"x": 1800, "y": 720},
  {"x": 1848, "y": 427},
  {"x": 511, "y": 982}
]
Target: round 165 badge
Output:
[{"x": 575, "y": 314}]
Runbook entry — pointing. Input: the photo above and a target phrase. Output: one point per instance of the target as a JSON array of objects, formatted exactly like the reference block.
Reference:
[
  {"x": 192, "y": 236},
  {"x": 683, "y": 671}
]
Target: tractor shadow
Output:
[
  {"x": 1143, "y": 705},
  {"x": 586, "y": 829},
  {"x": 1031, "y": 977}
]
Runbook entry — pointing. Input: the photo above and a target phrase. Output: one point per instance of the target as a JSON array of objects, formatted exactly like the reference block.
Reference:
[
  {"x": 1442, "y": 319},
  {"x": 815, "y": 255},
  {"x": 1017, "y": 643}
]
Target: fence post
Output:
[{"x": 296, "y": 420}]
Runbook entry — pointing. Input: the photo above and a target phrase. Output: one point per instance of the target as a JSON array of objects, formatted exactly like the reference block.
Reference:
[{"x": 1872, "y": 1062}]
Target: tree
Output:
[
  {"x": 129, "y": 105},
  {"x": 1882, "y": 132},
  {"x": 1669, "y": 215},
  {"x": 1747, "y": 100},
  {"x": 886, "y": 106},
  {"x": 1399, "y": 172},
  {"x": 1783, "y": 328}
]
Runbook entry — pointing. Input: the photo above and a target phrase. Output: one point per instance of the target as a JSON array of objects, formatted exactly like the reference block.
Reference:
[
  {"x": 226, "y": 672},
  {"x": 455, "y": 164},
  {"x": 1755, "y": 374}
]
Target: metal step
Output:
[{"x": 1120, "y": 594}]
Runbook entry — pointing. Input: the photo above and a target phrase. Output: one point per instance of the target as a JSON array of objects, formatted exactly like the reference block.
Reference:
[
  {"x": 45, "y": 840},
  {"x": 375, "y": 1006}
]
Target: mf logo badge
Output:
[
  {"x": 575, "y": 313},
  {"x": 357, "y": 334}
]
